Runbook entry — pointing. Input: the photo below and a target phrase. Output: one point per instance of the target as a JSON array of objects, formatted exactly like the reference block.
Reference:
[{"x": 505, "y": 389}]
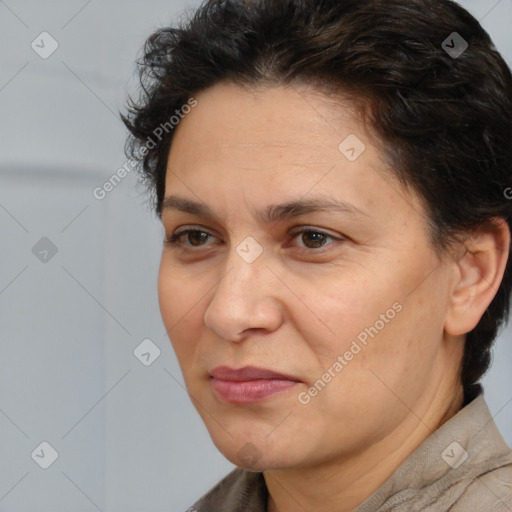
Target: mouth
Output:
[{"x": 249, "y": 384}]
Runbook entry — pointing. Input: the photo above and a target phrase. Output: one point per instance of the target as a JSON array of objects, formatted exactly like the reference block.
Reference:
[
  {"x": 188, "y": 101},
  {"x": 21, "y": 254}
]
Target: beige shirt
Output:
[{"x": 464, "y": 466}]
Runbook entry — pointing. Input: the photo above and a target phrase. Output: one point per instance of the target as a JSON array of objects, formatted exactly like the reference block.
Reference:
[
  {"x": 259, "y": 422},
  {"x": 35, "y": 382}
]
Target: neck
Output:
[{"x": 343, "y": 483}]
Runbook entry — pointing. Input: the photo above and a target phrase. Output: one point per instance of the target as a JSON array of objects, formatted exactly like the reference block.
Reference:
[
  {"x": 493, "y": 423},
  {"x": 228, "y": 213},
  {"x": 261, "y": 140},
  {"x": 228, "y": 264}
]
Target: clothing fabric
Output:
[{"x": 464, "y": 466}]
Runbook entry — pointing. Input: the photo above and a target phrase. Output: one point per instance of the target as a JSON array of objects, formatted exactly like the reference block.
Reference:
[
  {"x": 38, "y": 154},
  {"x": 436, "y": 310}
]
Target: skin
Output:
[{"x": 302, "y": 302}]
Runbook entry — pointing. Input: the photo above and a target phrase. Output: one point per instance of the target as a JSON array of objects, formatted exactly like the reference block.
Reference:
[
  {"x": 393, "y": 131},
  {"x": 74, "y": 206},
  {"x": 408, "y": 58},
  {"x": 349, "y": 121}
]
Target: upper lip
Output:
[{"x": 248, "y": 373}]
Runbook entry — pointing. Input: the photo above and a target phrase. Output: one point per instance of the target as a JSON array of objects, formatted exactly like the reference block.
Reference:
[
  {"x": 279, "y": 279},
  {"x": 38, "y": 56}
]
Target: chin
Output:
[{"x": 255, "y": 455}]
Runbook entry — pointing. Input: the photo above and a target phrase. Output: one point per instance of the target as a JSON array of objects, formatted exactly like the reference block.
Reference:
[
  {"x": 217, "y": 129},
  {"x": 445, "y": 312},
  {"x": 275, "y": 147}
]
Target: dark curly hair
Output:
[{"x": 445, "y": 120}]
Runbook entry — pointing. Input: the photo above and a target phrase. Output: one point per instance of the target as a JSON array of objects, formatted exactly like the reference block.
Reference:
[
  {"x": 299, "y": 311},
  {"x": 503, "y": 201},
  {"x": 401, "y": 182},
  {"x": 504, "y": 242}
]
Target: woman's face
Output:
[{"x": 344, "y": 304}]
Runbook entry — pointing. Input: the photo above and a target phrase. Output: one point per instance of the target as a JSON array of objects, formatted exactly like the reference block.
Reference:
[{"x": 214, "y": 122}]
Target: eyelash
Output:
[{"x": 174, "y": 242}]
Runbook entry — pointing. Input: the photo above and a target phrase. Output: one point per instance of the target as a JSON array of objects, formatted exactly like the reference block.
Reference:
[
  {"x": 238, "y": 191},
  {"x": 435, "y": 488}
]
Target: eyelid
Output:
[
  {"x": 173, "y": 238},
  {"x": 305, "y": 228},
  {"x": 294, "y": 232}
]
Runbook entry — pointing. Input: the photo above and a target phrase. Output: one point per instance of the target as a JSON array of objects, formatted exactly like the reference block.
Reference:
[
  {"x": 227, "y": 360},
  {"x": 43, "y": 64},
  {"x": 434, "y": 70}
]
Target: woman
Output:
[{"x": 332, "y": 178}]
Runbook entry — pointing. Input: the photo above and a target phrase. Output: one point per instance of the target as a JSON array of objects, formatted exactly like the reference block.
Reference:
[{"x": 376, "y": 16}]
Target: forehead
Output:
[
  {"x": 276, "y": 144},
  {"x": 258, "y": 124}
]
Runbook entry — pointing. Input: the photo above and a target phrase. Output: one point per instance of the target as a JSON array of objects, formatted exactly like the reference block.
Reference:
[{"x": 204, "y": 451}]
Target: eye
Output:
[
  {"x": 313, "y": 238},
  {"x": 195, "y": 236}
]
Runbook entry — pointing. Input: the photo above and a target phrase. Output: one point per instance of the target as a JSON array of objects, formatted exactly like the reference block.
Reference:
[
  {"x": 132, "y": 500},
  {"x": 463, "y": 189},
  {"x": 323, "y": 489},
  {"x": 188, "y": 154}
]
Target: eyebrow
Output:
[{"x": 271, "y": 213}]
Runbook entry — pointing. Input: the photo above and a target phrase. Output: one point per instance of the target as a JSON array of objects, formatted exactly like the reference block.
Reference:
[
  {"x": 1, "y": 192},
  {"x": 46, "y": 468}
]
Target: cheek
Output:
[
  {"x": 351, "y": 306},
  {"x": 372, "y": 322},
  {"x": 177, "y": 292},
  {"x": 179, "y": 310},
  {"x": 167, "y": 298}
]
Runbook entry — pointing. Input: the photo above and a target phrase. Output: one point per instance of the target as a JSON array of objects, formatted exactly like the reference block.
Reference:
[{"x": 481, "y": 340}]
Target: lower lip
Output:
[{"x": 242, "y": 392}]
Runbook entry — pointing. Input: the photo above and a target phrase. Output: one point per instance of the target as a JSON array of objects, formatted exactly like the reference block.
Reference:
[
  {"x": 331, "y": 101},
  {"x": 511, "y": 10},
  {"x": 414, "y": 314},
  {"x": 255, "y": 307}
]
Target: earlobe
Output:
[{"x": 479, "y": 272}]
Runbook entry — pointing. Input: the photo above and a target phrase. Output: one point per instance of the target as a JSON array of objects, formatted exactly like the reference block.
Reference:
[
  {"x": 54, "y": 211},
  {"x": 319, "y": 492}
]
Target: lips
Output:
[
  {"x": 249, "y": 384},
  {"x": 248, "y": 373}
]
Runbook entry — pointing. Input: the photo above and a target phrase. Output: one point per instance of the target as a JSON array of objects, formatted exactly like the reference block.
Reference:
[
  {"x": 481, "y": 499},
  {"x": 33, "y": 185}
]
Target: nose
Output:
[{"x": 244, "y": 299}]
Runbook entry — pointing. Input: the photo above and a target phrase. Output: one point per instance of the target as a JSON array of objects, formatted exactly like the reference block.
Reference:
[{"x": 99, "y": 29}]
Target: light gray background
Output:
[{"x": 127, "y": 437}]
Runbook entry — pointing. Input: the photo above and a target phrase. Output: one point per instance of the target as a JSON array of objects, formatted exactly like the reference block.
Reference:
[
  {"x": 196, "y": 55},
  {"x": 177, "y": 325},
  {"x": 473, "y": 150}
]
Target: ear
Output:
[{"x": 478, "y": 272}]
